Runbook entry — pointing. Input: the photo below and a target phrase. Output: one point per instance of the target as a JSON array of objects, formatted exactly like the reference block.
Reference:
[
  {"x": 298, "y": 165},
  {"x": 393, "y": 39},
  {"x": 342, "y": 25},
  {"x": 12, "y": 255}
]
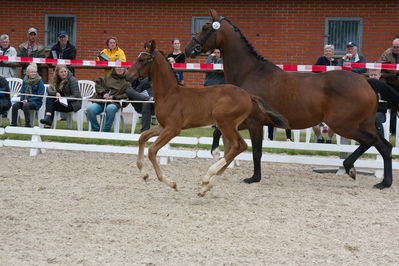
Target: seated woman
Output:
[
  {"x": 63, "y": 84},
  {"x": 109, "y": 87},
  {"x": 32, "y": 84},
  {"x": 5, "y": 101}
]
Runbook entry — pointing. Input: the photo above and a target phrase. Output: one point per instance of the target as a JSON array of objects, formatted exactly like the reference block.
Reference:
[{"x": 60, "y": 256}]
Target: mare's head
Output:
[
  {"x": 142, "y": 66},
  {"x": 209, "y": 38}
]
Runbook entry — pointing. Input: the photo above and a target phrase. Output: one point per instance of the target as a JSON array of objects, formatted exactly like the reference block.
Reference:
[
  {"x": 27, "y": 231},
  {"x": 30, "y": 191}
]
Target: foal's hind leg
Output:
[
  {"x": 164, "y": 137},
  {"x": 144, "y": 137},
  {"x": 236, "y": 145}
]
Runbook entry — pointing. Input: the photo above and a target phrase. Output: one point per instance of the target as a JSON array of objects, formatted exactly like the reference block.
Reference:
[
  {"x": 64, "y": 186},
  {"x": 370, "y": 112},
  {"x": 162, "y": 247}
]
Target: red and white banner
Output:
[{"x": 194, "y": 66}]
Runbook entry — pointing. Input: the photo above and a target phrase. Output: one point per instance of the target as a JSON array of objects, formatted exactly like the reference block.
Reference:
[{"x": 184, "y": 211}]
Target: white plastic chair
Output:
[
  {"x": 15, "y": 85},
  {"x": 87, "y": 89}
]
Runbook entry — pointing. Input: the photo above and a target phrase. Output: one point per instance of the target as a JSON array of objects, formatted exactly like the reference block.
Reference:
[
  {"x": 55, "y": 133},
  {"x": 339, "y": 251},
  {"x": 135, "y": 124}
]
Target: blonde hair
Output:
[
  {"x": 58, "y": 84},
  {"x": 371, "y": 70},
  {"x": 32, "y": 66}
]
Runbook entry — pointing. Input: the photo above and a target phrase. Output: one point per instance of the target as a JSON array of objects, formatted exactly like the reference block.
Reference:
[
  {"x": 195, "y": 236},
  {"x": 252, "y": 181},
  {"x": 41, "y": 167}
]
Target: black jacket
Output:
[{"x": 68, "y": 53}]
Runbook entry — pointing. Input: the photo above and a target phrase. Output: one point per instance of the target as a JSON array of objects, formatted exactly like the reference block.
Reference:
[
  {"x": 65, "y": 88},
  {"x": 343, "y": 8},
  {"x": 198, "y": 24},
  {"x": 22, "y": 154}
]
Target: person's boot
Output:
[
  {"x": 46, "y": 120},
  {"x": 320, "y": 139}
]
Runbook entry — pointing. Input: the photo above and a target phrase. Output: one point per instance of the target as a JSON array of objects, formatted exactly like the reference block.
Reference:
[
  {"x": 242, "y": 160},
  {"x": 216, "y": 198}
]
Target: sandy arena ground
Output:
[{"x": 77, "y": 208}]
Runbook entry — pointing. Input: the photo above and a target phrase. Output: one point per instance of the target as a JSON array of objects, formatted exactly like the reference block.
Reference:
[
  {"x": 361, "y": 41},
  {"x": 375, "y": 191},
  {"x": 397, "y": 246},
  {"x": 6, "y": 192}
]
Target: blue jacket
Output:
[{"x": 38, "y": 89}]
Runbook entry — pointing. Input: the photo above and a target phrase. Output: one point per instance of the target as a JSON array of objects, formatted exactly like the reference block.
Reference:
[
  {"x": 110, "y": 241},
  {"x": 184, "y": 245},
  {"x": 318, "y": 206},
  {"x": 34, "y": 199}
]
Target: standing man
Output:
[
  {"x": 30, "y": 48},
  {"x": 391, "y": 56},
  {"x": 214, "y": 78},
  {"x": 353, "y": 56},
  {"x": 63, "y": 49},
  {"x": 7, "y": 50}
]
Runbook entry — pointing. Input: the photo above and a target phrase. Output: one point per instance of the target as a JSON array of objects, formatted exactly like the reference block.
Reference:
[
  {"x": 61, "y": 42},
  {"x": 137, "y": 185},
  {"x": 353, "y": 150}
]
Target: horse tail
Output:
[
  {"x": 386, "y": 91},
  {"x": 278, "y": 119}
]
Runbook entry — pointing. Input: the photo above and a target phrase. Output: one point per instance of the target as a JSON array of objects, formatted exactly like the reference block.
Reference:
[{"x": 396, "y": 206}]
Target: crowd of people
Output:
[{"x": 115, "y": 85}]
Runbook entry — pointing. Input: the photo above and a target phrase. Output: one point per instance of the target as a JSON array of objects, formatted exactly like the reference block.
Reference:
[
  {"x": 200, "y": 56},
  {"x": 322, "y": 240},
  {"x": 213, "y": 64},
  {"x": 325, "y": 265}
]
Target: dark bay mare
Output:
[
  {"x": 178, "y": 107},
  {"x": 342, "y": 99}
]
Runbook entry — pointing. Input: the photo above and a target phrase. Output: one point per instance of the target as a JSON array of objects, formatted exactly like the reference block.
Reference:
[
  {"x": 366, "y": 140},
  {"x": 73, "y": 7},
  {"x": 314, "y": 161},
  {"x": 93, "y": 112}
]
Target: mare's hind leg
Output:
[
  {"x": 235, "y": 145},
  {"x": 144, "y": 137},
  {"x": 215, "y": 143},
  {"x": 256, "y": 134},
  {"x": 351, "y": 159},
  {"x": 164, "y": 137},
  {"x": 367, "y": 140},
  {"x": 384, "y": 147}
]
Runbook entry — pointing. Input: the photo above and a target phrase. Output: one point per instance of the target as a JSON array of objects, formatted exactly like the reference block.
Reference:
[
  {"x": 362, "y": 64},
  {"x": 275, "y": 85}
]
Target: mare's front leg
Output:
[
  {"x": 215, "y": 143},
  {"x": 256, "y": 133},
  {"x": 164, "y": 137},
  {"x": 144, "y": 137}
]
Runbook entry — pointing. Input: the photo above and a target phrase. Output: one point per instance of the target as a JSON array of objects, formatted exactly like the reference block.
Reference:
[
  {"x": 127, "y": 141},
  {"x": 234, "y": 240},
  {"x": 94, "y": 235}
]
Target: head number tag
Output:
[{"x": 216, "y": 25}]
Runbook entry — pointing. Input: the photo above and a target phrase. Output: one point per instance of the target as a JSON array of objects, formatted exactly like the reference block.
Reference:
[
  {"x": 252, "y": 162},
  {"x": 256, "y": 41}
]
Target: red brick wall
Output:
[{"x": 285, "y": 32}]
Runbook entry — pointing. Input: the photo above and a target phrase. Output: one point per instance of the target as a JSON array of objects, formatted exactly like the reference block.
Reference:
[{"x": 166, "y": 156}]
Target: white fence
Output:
[{"x": 36, "y": 145}]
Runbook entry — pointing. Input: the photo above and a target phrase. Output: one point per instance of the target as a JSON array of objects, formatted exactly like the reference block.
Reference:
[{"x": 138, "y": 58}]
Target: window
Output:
[
  {"x": 339, "y": 31},
  {"x": 197, "y": 22},
  {"x": 56, "y": 23}
]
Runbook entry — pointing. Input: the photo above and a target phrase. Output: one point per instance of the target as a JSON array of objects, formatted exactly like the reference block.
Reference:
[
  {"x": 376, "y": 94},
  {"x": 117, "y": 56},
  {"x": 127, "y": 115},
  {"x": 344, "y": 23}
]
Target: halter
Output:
[
  {"x": 200, "y": 42},
  {"x": 149, "y": 61}
]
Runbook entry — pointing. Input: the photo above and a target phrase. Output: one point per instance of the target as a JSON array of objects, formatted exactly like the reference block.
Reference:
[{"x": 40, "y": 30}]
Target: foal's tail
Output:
[
  {"x": 387, "y": 93},
  {"x": 278, "y": 119}
]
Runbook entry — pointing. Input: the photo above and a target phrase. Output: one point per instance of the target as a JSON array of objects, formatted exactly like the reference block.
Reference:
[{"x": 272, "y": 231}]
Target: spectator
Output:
[
  {"x": 177, "y": 56},
  {"x": 353, "y": 56},
  {"x": 5, "y": 101},
  {"x": 214, "y": 78},
  {"x": 111, "y": 53},
  {"x": 7, "y": 50},
  {"x": 63, "y": 84},
  {"x": 109, "y": 87},
  {"x": 382, "y": 105},
  {"x": 326, "y": 60},
  {"x": 32, "y": 84},
  {"x": 31, "y": 48},
  {"x": 391, "y": 56},
  {"x": 142, "y": 91},
  {"x": 63, "y": 49}
]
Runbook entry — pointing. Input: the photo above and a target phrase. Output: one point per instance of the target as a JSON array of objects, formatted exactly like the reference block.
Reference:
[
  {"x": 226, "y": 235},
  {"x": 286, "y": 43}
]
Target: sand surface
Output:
[{"x": 77, "y": 208}]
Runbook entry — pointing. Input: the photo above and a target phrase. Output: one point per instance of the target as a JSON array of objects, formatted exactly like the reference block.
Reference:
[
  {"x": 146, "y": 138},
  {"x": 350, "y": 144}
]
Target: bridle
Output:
[
  {"x": 149, "y": 61},
  {"x": 200, "y": 43}
]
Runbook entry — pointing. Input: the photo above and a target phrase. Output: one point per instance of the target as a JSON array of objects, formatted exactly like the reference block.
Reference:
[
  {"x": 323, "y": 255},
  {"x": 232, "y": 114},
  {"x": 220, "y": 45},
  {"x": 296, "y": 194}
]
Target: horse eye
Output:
[{"x": 141, "y": 60}]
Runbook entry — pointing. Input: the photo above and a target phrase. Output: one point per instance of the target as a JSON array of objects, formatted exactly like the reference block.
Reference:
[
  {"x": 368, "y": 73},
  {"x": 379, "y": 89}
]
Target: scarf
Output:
[{"x": 30, "y": 83}]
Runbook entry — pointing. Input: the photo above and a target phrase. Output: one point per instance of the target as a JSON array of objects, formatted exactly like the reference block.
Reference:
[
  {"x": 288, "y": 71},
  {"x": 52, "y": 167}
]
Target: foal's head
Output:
[
  {"x": 142, "y": 66},
  {"x": 208, "y": 38}
]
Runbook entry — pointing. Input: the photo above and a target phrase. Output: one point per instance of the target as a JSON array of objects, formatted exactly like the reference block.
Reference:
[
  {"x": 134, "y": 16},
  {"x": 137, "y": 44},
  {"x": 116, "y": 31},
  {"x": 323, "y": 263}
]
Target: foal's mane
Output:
[
  {"x": 249, "y": 45},
  {"x": 170, "y": 65}
]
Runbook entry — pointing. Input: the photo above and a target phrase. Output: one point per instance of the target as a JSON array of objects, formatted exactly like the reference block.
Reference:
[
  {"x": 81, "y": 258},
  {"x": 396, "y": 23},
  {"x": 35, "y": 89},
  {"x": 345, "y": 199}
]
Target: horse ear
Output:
[
  {"x": 153, "y": 45},
  {"x": 214, "y": 14}
]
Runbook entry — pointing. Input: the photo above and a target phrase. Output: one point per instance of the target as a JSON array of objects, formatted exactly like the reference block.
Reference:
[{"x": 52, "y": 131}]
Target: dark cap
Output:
[
  {"x": 351, "y": 44},
  {"x": 62, "y": 33}
]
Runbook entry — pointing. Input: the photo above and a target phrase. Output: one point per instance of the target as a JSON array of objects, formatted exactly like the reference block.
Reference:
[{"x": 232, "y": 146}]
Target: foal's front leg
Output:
[
  {"x": 144, "y": 137},
  {"x": 164, "y": 137}
]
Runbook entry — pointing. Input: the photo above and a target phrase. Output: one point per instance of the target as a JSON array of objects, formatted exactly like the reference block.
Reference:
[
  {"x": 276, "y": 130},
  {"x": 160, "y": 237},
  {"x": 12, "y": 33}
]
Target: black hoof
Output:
[
  {"x": 381, "y": 185},
  {"x": 251, "y": 180},
  {"x": 350, "y": 170}
]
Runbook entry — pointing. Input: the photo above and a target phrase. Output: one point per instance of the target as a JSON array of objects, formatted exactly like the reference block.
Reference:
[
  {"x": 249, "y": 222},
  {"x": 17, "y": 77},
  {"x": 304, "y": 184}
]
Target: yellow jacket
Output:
[{"x": 113, "y": 55}]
